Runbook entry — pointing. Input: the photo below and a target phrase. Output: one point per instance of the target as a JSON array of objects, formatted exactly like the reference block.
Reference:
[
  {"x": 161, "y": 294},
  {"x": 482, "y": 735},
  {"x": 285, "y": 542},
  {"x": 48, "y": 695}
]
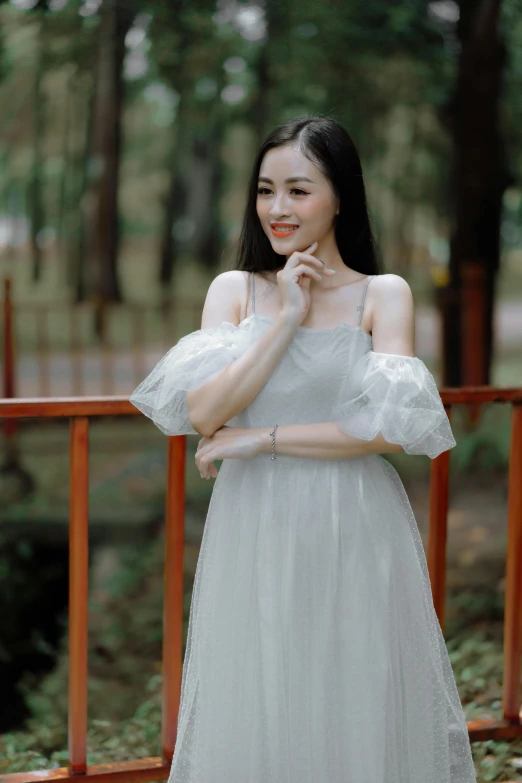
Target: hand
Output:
[
  {"x": 294, "y": 281},
  {"x": 226, "y": 443}
]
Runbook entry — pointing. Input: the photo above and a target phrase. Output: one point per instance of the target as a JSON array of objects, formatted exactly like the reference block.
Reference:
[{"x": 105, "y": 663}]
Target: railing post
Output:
[
  {"x": 173, "y": 598},
  {"x": 438, "y": 529},
  {"x": 513, "y": 602},
  {"x": 78, "y": 592}
]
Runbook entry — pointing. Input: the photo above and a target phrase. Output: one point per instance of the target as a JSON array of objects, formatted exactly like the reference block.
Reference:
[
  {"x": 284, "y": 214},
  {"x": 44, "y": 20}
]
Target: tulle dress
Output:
[{"x": 314, "y": 654}]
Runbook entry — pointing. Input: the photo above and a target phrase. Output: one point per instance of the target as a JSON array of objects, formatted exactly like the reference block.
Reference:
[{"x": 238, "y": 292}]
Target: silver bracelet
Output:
[{"x": 273, "y": 434}]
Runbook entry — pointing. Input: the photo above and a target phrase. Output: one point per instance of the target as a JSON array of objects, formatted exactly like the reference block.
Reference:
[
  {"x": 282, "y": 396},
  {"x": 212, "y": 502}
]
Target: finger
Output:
[
  {"x": 302, "y": 269},
  {"x": 305, "y": 257},
  {"x": 200, "y": 469},
  {"x": 207, "y": 468},
  {"x": 200, "y": 465}
]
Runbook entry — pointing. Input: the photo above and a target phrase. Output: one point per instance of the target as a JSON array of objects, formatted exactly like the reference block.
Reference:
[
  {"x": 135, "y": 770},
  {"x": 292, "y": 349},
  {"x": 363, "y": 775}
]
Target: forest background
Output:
[{"x": 128, "y": 132}]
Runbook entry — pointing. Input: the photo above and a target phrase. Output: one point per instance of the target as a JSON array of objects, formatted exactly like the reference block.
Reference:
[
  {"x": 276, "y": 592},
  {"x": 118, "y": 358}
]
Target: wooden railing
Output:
[
  {"x": 79, "y": 411},
  {"x": 143, "y": 329}
]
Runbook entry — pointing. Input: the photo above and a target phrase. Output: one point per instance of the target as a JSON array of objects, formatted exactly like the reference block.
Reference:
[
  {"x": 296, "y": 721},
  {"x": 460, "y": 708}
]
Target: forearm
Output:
[
  {"x": 321, "y": 441},
  {"x": 229, "y": 392}
]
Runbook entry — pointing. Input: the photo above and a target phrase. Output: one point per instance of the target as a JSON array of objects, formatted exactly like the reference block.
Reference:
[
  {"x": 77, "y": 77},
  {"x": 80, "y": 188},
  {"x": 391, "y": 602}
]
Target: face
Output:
[{"x": 292, "y": 190}]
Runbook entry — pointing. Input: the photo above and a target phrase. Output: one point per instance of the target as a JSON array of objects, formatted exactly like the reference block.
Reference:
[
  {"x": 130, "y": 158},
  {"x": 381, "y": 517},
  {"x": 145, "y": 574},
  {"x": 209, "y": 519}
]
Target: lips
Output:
[{"x": 283, "y": 229}]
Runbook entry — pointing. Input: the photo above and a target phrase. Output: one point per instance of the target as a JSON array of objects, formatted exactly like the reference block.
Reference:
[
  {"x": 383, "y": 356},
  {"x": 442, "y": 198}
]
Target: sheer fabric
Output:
[
  {"x": 314, "y": 654},
  {"x": 196, "y": 357},
  {"x": 397, "y": 396}
]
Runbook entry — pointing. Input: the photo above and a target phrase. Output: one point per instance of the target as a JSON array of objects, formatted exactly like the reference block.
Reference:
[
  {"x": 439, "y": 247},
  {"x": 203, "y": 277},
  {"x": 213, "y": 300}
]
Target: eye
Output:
[{"x": 299, "y": 191}]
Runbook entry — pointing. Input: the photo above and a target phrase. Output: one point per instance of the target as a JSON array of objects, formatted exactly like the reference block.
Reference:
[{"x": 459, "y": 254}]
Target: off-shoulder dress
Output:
[{"x": 314, "y": 653}]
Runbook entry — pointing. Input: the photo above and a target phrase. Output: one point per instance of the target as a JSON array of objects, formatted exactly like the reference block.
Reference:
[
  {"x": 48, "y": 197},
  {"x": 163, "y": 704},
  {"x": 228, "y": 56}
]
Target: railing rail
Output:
[
  {"x": 99, "y": 365},
  {"x": 79, "y": 411}
]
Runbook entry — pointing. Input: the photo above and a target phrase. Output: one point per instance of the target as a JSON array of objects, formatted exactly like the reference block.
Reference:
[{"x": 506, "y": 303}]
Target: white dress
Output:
[{"x": 314, "y": 654}]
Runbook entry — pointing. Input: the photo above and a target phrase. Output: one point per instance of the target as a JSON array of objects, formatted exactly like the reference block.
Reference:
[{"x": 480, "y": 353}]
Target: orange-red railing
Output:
[{"x": 79, "y": 411}]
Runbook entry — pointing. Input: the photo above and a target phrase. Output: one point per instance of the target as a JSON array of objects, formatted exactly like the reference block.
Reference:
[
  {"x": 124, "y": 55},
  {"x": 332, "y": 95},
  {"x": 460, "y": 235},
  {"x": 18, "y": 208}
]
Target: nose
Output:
[{"x": 278, "y": 208}]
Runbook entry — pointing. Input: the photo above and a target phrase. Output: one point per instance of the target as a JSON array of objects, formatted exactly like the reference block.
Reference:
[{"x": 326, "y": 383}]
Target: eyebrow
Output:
[{"x": 288, "y": 179}]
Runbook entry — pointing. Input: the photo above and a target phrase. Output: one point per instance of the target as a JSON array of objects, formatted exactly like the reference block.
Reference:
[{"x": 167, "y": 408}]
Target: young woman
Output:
[{"x": 314, "y": 654}]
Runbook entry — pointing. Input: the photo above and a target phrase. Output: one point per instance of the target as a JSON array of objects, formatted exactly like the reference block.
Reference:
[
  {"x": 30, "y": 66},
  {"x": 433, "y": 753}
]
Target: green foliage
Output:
[{"x": 484, "y": 447}]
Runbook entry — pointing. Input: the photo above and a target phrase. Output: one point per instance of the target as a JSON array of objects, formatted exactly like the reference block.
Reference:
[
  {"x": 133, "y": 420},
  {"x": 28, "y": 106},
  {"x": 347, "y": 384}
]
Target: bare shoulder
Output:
[
  {"x": 392, "y": 316},
  {"x": 232, "y": 279},
  {"x": 391, "y": 287},
  {"x": 224, "y": 297}
]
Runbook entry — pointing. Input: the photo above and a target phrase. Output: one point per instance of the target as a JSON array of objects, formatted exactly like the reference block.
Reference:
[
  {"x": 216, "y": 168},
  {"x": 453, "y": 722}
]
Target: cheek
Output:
[
  {"x": 262, "y": 207},
  {"x": 318, "y": 211}
]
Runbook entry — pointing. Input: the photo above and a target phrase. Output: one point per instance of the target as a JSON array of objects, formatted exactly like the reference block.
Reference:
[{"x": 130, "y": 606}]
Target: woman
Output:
[{"x": 314, "y": 654}]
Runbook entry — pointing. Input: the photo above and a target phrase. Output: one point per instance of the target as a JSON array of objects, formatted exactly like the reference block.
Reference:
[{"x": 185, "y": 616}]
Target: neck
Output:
[{"x": 328, "y": 252}]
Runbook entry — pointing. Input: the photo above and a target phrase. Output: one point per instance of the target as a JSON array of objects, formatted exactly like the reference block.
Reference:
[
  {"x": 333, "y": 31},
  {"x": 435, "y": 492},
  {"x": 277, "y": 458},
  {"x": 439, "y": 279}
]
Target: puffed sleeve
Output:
[
  {"x": 397, "y": 396},
  {"x": 194, "y": 359}
]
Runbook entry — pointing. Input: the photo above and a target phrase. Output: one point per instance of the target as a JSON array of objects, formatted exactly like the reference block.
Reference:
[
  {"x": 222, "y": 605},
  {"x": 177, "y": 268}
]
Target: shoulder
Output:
[
  {"x": 391, "y": 300},
  {"x": 390, "y": 286},
  {"x": 392, "y": 315},
  {"x": 233, "y": 279},
  {"x": 224, "y": 297},
  {"x": 229, "y": 285}
]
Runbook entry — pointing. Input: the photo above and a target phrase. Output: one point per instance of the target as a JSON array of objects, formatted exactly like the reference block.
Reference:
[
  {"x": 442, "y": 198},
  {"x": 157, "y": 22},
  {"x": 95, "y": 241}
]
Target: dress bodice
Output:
[
  {"x": 306, "y": 384},
  {"x": 325, "y": 375}
]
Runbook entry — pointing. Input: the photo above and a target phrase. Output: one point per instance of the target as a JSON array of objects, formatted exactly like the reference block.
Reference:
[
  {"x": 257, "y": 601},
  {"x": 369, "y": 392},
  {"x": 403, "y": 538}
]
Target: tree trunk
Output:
[
  {"x": 174, "y": 202},
  {"x": 102, "y": 222},
  {"x": 479, "y": 179},
  {"x": 194, "y": 193},
  {"x": 35, "y": 183},
  {"x": 84, "y": 108}
]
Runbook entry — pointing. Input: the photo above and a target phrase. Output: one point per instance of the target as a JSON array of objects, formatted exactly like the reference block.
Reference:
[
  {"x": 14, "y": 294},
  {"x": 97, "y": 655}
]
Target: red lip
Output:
[{"x": 276, "y": 233}]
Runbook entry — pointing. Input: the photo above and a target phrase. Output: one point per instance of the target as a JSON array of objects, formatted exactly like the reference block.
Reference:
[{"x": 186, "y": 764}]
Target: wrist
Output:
[
  {"x": 265, "y": 440},
  {"x": 288, "y": 322}
]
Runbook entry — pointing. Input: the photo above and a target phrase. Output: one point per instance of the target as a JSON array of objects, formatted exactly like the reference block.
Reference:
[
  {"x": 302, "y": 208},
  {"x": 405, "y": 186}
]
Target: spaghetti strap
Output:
[
  {"x": 253, "y": 293},
  {"x": 361, "y": 306}
]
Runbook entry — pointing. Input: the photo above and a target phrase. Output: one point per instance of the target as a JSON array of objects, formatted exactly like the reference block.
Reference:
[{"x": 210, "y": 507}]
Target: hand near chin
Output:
[{"x": 226, "y": 443}]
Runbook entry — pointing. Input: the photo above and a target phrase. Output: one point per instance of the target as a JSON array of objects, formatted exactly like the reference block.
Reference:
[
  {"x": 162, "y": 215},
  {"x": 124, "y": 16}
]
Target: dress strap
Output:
[
  {"x": 253, "y": 293},
  {"x": 361, "y": 306}
]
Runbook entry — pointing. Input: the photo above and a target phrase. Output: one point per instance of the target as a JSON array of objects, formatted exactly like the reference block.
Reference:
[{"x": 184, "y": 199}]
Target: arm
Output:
[
  {"x": 321, "y": 441},
  {"x": 389, "y": 401},
  {"x": 231, "y": 390},
  {"x": 390, "y": 312}
]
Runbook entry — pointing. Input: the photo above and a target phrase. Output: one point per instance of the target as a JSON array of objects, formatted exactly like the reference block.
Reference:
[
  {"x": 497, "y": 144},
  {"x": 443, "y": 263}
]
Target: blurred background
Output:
[{"x": 128, "y": 133}]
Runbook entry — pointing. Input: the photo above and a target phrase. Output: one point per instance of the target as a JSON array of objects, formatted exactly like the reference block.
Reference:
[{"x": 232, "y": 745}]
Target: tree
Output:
[
  {"x": 479, "y": 178},
  {"x": 102, "y": 215}
]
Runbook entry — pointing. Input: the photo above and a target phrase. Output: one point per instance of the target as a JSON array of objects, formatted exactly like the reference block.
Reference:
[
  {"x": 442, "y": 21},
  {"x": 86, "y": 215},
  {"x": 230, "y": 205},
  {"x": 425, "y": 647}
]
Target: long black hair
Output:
[{"x": 328, "y": 145}]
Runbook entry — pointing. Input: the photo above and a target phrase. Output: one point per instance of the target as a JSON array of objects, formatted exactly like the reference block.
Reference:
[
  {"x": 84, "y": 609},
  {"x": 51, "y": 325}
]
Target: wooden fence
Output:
[
  {"x": 79, "y": 412},
  {"x": 95, "y": 347}
]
